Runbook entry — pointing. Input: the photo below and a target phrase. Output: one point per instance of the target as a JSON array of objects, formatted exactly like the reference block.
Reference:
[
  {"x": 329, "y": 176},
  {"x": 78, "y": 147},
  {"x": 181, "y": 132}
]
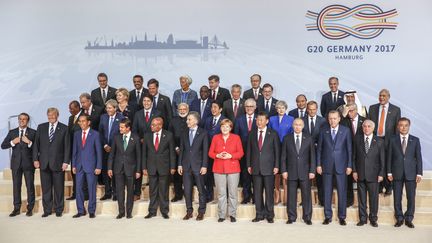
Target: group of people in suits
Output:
[{"x": 219, "y": 139}]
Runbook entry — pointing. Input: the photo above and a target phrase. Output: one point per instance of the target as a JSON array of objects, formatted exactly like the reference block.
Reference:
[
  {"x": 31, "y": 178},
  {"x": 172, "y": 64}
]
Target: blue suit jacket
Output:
[
  {"x": 88, "y": 157},
  {"x": 337, "y": 155},
  {"x": 241, "y": 128},
  {"x": 295, "y": 113},
  {"x": 404, "y": 166},
  {"x": 211, "y": 131},
  {"x": 283, "y": 128},
  {"x": 196, "y": 106},
  {"x": 107, "y": 139},
  {"x": 177, "y": 99}
]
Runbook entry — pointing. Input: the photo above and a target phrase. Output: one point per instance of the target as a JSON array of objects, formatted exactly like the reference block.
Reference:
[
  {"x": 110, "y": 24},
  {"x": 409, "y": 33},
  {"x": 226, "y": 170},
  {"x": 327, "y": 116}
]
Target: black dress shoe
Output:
[
  {"x": 398, "y": 224},
  {"x": 59, "y": 214},
  {"x": 149, "y": 216},
  {"x": 78, "y": 215},
  {"x": 176, "y": 199},
  {"x": 233, "y": 219},
  {"x": 255, "y": 220},
  {"x": 92, "y": 215},
  {"x": 114, "y": 198},
  {"x": 220, "y": 220},
  {"x": 409, "y": 224},
  {"x": 200, "y": 217},
  {"x": 245, "y": 201},
  {"x": 188, "y": 216},
  {"x": 105, "y": 197},
  {"x": 165, "y": 216},
  {"x": 374, "y": 224},
  {"x": 120, "y": 215},
  {"x": 387, "y": 193},
  {"x": 289, "y": 221},
  {"x": 270, "y": 220},
  {"x": 44, "y": 215},
  {"x": 29, "y": 213},
  {"x": 342, "y": 222},
  {"x": 14, "y": 213},
  {"x": 70, "y": 198},
  {"x": 326, "y": 221},
  {"x": 361, "y": 223},
  {"x": 129, "y": 216},
  {"x": 308, "y": 222}
]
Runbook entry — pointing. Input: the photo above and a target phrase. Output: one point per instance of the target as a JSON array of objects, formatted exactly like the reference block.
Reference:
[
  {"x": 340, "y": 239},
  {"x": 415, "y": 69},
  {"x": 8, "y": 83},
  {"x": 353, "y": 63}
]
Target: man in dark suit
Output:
[
  {"x": 193, "y": 162},
  {"x": 100, "y": 95},
  {"x": 313, "y": 125},
  {"x": 386, "y": 116},
  {"x": 243, "y": 127},
  {"x": 177, "y": 127},
  {"x": 233, "y": 107},
  {"x": 267, "y": 102},
  {"x": 332, "y": 99},
  {"x": 216, "y": 92},
  {"x": 298, "y": 167},
  {"x": 136, "y": 95},
  {"x": 51, "y": 153},
  {"x": 334, "y": 160},
  {"x": 404, "y": 168},
  {"x": 76, "y": 112},
  {"x": 256, "y": 91},
  {"x": 263, "y": 158},
  {"x": 161, "y": 102},
  {"x": 141, "y": 126},
  {"x": 212, "y": 126},
  {"x": 86, "y": 163},
  {"x": 158, "y": 163},
  {"x": 301, "y": 110},
  {"x": 354, "y": 122},
  {"x": 108, "y": 129},
  {"x": 91, "y": 110},
  {"x": 21, "y": 140},
  {"x": 368, "y": 171},
  {"x": 202, "y": 105},
  {"x": 124, "y": 164}
]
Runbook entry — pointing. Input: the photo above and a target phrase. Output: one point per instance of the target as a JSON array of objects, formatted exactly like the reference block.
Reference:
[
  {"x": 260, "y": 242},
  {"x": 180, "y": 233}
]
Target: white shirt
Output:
[
  {"x": 215, "y": 92},
  {"x": 269, "y": 102},
  {"x": 90, "y": 109},
  {"x": 86, "y": 132},
  {"x": 49, "y": 127},
  {"x": 217, "y": 118},
  {"x": 354, "y": 123},
  {"x": 369, "y": 138},
  {"x": 256, "y": 91},
  {"x": 149, "y": 112},
  {"x": 300, "y": 137},
  {"x": 336, "y": 129},
  {"x": 106, "y": 91},
  {"x": 24, "y": 130},
  {"x": 140, "y": 91},
  {"x": 300, "y": 112},
  {"x": 310, "y": 121},
  {"x": 385, "y": 117},
  {"x": 333, "y": 94},
  {"x": 201, "y": 105},
  {"x": 263, "y": 133},
  {"x": 238, "y": 104},
  {"x": 128, "y": 136}
]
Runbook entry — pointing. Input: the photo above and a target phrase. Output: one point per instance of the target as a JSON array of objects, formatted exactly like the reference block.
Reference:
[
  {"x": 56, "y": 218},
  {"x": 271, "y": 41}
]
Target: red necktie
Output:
[
  {"x": 157, "y": 142},
  {"x": 250, "y": 124},
  {"x": 147, "y": 116},
  {"x": 260, "y": 140},
  {"x": 235, "y": 108},
  {"x": 214, "y": 95},
  {"x": 83, "y": 139}
]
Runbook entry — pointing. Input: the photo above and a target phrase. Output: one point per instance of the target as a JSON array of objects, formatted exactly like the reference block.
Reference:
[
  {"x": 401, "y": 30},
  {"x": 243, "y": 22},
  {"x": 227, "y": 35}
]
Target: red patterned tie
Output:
[
  {"x": 157, "y": 142},
  {"x": 147, "y": 116},
  {"x": 250, "y": 124},
  {"x": 260, "y": 140},
  {"x": 83, "y": 139}
]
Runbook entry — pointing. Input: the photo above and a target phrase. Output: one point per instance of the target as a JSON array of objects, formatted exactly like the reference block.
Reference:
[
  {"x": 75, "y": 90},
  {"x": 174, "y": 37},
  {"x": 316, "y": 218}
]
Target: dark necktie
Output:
[
  {"x": 256, "y": 94},
  {"x": 154, "y": 102},
  {"x": 202, "y": 108},
  {"x": 297, "y": 143},
  {"x": 214, "y": 95},
  {"x": 334, "y": 98},
  {"x": 333, "y": 134},
  {"x": 301, "y": 114},
  {"x": 214, "y": 122},
  {"x": 312, "y": 125},
  {"x": 147, "y": 116},
  {"x": 267, "y": 107},
  {"x": 51, "y": 133},
  {"x": 235, "y": 108},
  {"x": 404, "y": 145},
  {"x": 367, "y": 145},
  {"x": 103, "y": 96},
  {"x": 138, "y": 97}
]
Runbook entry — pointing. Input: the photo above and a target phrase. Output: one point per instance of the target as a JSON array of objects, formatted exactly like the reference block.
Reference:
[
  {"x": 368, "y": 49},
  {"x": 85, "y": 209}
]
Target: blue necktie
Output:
[
  {"x": 110, "y": 126},
  {"x": 333, "y": 134},
  {"x": 267, "y": 108},
  {"x": 51, "y": 133}
]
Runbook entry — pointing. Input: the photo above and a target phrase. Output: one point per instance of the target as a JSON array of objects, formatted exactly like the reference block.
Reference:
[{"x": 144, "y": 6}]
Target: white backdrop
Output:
[{"x": 43, "y": 62}]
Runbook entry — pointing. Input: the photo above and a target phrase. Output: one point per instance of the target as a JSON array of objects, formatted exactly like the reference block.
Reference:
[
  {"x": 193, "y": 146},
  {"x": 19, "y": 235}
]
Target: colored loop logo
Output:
[{"x": 365, "y": 21}]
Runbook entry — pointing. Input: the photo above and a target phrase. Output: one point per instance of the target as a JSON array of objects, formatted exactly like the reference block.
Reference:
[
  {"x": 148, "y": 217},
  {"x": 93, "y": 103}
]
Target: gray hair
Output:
[
  {"x": 195, "y": 114},
  {"x": 234, "y": 86},
  {"x": 184, "y": 105},
  {"x": 53, "y": 109},
  {"x": 85, "y": 95},
  {"x": 370, "y": 122},
  {"x": 298, "y": 120},
  {"x": 111, "y": 102},
  {"x": 385, "y": 91},
  {"x": 250, "y": 101},
  {"x": 281, "y": 103},
  {"x": 187, "y": 77}
]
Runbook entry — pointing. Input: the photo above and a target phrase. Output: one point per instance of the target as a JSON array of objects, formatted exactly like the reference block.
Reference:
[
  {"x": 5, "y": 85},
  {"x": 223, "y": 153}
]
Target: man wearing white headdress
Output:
[{"x": 351, "y": 97}]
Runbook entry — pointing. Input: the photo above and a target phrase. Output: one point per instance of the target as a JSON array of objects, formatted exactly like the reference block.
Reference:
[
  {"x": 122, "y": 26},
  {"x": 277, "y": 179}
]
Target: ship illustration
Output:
[{"x": 101, "y": 43}]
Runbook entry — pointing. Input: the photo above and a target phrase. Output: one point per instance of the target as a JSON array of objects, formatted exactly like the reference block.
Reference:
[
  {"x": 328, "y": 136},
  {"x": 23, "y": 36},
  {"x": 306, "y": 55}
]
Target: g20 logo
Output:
[{"x": 365, "y": 21}]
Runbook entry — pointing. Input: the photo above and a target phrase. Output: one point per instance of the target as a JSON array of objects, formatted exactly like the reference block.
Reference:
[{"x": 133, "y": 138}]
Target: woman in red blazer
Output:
[{"x": 226, "y": 149}]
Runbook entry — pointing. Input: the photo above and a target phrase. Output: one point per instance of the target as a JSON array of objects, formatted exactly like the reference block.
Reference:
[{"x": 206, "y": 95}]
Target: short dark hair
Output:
[
  {"x": 87, "y": 117},
  {"x": 256, "y": 74},
  {"x": 312, "y": 102},
  {"x": 147, "y": 95},
  {"x": 24, "y": 114},
  {"x": 126, "y": 122},
  {"x": 102, "y": 75},
  {"x": 217, "y": 103},
  {"x": 268, "y": 85},
  {"x": 75, "y": 103},
  {"x": 335, "y": 78},
  {"x": 138, "y": 76},
  {"x": 263, "y": 113},
  {"x": 301, "y": 95},
  {"x": 404, "y": 119},
  {"x": 215, "y": 77},
  {"x": 153, "y": 81}
]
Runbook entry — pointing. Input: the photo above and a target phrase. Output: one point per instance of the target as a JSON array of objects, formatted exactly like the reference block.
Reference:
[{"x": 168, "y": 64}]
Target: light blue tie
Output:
[
  {"x": 191, "y": 136},
  {"x": 333, "y": 134}
]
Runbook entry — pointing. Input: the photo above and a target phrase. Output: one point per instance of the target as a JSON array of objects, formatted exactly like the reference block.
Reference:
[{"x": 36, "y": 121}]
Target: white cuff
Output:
[
  {"x": 389, "y": 174},
  {"x": 30, "y": 144},
  {"x": 12, "y": 144}
]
